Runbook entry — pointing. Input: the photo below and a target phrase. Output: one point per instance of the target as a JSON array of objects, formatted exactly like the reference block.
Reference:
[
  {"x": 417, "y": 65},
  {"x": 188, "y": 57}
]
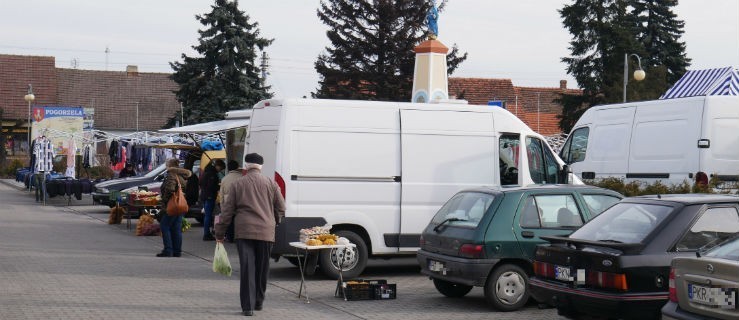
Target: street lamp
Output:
[
  {"x": 639, "y": 74},
  {"x": 29, "y": 97}
]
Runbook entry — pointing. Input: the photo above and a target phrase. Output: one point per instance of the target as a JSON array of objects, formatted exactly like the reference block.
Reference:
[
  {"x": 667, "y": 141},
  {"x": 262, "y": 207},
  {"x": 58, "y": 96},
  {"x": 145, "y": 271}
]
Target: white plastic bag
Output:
[{"x": 220, "y": 260}]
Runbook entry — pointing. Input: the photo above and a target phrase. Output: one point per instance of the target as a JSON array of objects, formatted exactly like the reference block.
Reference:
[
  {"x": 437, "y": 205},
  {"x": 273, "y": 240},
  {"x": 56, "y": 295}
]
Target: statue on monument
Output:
[{"x": 432, "y": 21}]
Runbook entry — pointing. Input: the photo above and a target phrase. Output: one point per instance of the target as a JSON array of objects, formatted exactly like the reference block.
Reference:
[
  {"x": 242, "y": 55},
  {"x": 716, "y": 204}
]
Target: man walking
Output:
[
  {"x": 234, "y": 173},
  {"x": 255, "y": 205}
]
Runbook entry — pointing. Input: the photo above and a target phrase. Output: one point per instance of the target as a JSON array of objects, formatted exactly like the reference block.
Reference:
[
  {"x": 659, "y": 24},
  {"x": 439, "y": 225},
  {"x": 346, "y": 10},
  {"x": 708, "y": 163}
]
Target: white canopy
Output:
[{"x": 210, "y": 127}]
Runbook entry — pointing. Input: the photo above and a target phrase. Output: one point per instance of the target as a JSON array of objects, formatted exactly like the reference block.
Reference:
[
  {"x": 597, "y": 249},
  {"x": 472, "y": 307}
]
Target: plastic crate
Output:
[
  {"x": 385, "y": 291},
  {"x": 363, "y": 289}
]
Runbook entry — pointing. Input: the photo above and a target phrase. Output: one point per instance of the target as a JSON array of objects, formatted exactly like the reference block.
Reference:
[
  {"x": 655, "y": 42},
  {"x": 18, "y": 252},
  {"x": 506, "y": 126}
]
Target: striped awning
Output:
[{"x": 708, "y": 82}]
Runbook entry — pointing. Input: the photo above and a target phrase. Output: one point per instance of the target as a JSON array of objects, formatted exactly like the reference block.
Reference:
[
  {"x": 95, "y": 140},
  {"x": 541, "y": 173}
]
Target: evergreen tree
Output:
[
  {"x": 603, "y": 33},
  {"x": 225, "y": 75},
  {"x": 371, "y": 55},
  {"x": 659, "y": 31}
]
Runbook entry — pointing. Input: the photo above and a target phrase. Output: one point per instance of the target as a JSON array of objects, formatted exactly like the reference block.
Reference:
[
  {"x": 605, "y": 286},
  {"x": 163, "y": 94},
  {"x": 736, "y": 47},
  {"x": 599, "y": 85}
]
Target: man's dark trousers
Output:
[{"x": 254, "y": 263}]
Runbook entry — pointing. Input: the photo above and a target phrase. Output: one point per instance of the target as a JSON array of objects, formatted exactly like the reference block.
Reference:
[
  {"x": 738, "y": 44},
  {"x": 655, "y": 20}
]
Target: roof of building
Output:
[{"x": 535, "y": 106}]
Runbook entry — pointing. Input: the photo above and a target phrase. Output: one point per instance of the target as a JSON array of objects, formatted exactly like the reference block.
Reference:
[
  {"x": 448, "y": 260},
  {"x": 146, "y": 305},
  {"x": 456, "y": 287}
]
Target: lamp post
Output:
[
  {"x": 29, "y": 97},
  {"x": 639, "y": 74}
]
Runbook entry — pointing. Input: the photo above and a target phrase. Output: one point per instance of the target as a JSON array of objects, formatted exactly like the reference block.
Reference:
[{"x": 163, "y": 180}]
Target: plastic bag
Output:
[{"x": 220, "y": 260}]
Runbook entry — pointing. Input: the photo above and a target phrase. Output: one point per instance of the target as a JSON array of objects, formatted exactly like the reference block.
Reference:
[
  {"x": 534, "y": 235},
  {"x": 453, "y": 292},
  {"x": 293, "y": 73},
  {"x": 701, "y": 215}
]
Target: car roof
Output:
[
  {"x": 690, "y": 198},
  {"x": 567, "y": 187}
]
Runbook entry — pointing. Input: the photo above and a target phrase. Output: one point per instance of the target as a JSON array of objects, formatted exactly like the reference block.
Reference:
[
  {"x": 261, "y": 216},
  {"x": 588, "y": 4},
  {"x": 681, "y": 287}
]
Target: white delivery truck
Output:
[
  {"x": 378, "y": 171},
  {"x": 671, "y": 140}
]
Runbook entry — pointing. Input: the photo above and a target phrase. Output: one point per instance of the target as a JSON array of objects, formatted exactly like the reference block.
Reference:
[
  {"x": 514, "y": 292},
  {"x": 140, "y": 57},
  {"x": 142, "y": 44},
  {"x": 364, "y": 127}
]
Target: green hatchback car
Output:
[{"x": 487, "y": 237}]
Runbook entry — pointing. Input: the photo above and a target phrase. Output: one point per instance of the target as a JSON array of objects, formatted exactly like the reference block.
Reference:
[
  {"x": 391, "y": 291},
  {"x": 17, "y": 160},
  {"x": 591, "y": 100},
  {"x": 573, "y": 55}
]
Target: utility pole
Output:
[{"x": 263, "y": 66}]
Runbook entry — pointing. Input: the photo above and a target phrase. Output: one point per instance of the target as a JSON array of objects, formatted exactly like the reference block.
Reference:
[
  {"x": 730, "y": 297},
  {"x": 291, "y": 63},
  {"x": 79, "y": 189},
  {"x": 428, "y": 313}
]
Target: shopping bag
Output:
[
  {"x": 177, "y": 204},
  {"x": 220, "y": 260}
]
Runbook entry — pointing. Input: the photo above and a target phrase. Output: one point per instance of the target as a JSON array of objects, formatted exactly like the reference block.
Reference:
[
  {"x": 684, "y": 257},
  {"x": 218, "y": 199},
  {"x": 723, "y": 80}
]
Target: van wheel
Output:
[
  {"x": 353, "y": 261},
  {"x": 451, "y": 289},
  {"x": 506, "y": 288}
]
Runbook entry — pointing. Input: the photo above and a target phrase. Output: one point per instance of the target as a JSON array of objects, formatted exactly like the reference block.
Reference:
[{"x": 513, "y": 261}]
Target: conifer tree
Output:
[
  {"x": 602, "y": 33},
  {"x": 371, "y": 54},
  {"x": 659, "y": 32},
  {"x": 225, "y": 74}
]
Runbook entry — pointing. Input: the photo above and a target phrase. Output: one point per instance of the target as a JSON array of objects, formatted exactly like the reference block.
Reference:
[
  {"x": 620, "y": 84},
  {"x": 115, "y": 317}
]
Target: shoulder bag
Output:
[{"x": 177, "y": 204}]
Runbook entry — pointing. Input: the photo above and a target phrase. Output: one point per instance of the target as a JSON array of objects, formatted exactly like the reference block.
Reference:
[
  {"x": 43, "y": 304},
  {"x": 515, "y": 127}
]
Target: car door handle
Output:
[{"x": 527, "y": 234}]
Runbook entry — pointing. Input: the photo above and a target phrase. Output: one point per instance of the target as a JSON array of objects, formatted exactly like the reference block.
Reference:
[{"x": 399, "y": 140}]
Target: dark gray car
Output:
[{"x": 102, "y": 190}]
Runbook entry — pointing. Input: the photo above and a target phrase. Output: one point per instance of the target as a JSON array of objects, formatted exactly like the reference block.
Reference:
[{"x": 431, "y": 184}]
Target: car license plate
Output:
[
  {"x": 436, "y": 266},
  {"x": 724, "y": 298},
  {"x": 562, "y": 273}
]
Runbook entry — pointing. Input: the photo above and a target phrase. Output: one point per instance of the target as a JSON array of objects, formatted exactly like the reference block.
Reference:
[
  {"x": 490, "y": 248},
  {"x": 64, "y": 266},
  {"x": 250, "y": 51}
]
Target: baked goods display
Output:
[{"x": 317, "y": 236}]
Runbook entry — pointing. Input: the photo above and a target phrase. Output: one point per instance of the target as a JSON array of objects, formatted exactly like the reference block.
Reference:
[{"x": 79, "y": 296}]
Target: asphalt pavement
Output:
[{"x": 63, "y": 261}]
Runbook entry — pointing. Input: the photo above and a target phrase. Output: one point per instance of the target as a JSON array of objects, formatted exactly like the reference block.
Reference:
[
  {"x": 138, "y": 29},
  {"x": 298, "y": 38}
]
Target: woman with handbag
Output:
[{"x": 171, "y": 224}]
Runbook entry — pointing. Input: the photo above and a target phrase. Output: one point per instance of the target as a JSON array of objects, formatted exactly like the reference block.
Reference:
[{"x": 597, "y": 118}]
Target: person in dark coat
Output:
[
  {"x": 209, "y": 186},
  {"x": 127, "y": 171}
]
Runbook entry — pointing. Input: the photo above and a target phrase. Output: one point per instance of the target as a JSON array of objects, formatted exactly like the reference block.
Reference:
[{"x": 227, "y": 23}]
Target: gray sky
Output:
[{"x": 521, "y": 40}]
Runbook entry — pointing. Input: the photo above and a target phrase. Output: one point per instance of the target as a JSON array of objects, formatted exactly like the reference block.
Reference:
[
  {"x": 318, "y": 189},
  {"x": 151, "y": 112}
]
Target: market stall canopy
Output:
[
  {"x": 707, "y": 82},
  {"x": 175, "y": 146},
  {"x": 210, "y": 127}
]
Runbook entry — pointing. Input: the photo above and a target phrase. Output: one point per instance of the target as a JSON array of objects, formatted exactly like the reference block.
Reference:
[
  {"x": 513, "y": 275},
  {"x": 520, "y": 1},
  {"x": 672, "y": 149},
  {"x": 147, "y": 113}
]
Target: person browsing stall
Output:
[{"x": 171, "y": 226}]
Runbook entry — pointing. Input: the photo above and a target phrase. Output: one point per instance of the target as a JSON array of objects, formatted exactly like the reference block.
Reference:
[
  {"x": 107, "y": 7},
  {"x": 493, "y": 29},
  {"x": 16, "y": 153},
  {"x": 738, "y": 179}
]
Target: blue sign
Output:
[{"x": 496, "y": 103}]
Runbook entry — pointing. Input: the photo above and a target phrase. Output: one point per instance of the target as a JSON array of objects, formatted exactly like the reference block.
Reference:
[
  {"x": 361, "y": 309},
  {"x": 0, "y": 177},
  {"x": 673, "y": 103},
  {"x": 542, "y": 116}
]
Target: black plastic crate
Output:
[
  {"x": 385, "y": 291},
  {"x": 365, "y": 289}
]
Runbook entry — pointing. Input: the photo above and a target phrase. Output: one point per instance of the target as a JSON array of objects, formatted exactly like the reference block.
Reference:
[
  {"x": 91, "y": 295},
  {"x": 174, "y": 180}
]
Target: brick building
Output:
[
  {"x": 535, "y": 106},
  {"x": 115, "y": 95}
]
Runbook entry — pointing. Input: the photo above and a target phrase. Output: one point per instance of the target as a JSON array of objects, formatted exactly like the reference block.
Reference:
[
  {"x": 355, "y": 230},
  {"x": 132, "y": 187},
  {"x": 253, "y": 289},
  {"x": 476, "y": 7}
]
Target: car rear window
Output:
[
  {"x": 728, "y": 250},
  {"x": 624, "y": 223},
  {"x": 464, "y": 209}
]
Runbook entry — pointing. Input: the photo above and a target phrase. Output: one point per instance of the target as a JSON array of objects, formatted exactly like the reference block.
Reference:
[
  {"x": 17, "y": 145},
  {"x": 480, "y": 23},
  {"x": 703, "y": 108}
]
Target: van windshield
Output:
[{"x": 465, "y": 209}]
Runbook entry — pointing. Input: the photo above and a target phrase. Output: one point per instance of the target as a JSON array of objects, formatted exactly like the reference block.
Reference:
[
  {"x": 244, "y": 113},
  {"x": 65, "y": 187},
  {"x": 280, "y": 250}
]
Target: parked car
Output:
[
  {"x": 102, "y": 190},
  {"x": 618, "y": 264},
  {"x": 486, "y": 237},
  {"x": 705, "y": 286}
]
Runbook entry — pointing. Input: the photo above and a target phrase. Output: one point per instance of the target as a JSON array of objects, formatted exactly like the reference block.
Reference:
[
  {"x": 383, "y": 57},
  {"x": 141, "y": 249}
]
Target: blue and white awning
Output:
[{"x": 708, "y": 82}]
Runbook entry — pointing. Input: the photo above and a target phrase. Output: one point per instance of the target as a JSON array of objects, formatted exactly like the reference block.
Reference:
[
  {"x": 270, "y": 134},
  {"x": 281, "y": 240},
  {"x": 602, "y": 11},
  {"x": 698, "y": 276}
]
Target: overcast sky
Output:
[{"x": 521, "y": 40}]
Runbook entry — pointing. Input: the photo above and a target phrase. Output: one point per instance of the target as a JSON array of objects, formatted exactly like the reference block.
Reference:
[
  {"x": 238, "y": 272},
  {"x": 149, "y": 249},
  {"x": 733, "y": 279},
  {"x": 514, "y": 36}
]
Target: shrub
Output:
[
  {"x": 638, "y": 188},
  {"x": 10, "y": 167}
]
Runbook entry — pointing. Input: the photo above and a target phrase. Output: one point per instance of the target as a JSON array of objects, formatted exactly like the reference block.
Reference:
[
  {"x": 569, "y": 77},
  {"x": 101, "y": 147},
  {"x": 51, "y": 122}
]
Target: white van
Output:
[
  {"x": 671, "y": 140},
  {"x": 378, "y": 171}
]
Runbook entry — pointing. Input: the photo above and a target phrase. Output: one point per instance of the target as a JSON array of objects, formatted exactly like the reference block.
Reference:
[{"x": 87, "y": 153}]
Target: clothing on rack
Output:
[
  {"x": 43, "y": 153},
  {"x": 71, "y": 159}
]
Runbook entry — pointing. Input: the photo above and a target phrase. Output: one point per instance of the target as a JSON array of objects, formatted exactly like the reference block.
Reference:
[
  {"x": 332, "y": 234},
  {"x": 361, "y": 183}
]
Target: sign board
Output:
[{"x": 53, "y": 120}]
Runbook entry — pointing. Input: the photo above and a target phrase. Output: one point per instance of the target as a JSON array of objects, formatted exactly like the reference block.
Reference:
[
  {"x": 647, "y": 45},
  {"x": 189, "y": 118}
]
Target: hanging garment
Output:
[
  {"x": 71, "y": 153},
  {"x": 44, "y": 154}
]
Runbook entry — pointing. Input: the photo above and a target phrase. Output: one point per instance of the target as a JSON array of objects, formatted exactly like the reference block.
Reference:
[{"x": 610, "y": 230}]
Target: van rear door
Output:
[
  {"x": 443, "y": 152},
  {"x": 720, "y": 154}
]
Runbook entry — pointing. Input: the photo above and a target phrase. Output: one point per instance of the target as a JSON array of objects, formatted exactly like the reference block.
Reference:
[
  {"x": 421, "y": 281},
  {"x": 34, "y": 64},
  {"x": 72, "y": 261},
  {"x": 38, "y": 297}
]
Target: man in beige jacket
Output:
[{"x": 255, "y": 205}]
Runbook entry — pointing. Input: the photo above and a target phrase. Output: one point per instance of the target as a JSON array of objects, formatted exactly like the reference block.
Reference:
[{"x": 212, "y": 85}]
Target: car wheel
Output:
[
  {"x": 199, "y": 220},
  {"x": 451, "y": 289},
  {"x": 352, "y": 260},
  {"x": 506, "y": 288}
]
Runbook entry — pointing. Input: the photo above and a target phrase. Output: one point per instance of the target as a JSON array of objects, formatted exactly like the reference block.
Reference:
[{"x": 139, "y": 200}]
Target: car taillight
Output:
[
  {"x": 472, "y": 250},
  {"x": 280, "y": 183},
  {"x": 673, "y": 290},
  {"x": 421, "y": 242},
  {"x": 701, "y": 178},
  {"x": 543, "y": 269},
  {"x": 607, "y": 280}
]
